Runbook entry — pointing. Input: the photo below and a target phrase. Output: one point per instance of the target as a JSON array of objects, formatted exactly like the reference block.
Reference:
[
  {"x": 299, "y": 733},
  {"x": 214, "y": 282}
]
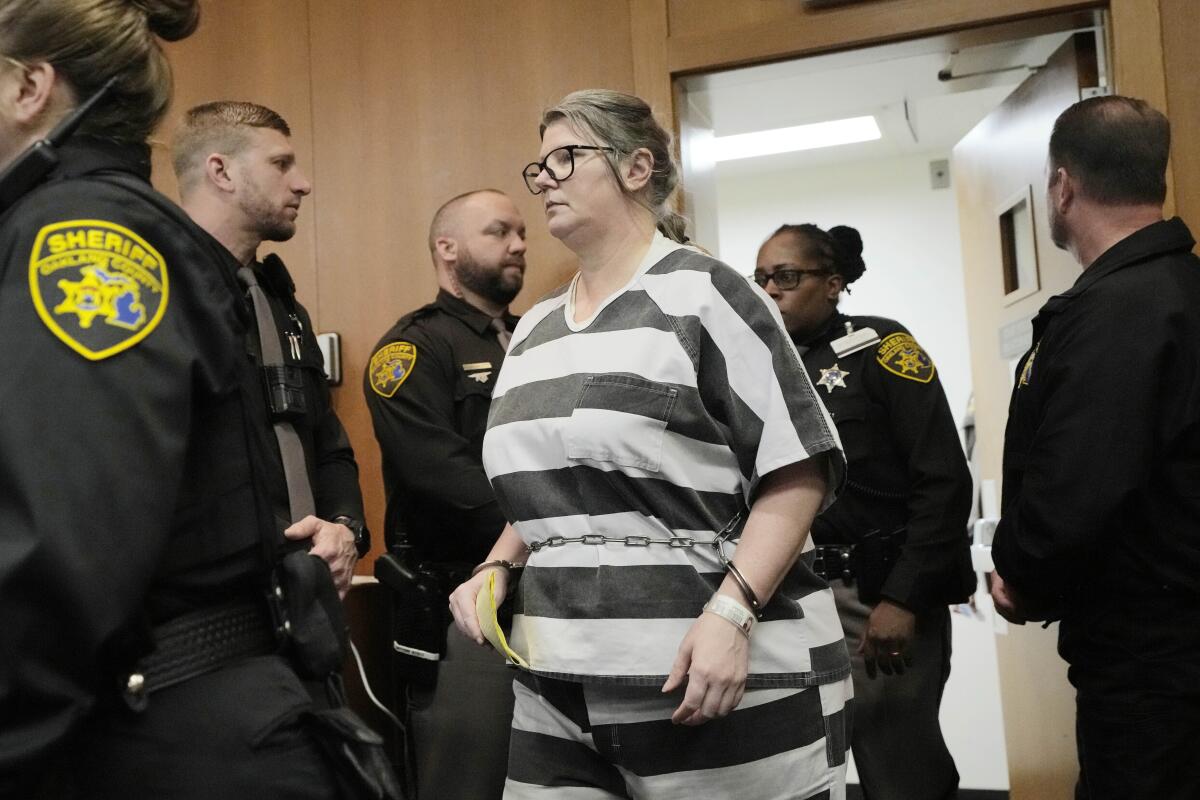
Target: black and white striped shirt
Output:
[{"x": 657, "y": 417}]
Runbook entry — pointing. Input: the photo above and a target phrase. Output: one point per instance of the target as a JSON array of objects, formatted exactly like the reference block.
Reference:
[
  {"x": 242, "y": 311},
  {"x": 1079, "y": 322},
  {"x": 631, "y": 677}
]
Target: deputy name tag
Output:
[{"x": 853, "y": 342}]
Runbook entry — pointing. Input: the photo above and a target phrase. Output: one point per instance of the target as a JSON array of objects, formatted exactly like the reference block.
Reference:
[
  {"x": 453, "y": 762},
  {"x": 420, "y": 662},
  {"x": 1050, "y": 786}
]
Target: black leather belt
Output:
[{"x": 199, "y": 642}]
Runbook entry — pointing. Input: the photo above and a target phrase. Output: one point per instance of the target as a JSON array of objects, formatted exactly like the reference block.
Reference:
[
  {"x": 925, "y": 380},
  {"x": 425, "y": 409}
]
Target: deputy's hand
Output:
[
  {"x": 714, "y": 659},
  {"x": 333, "y": 543},
  {"x": 462, "y": 602},
  {"x": 884, "y": 645},
  {"x": 1007, "y": 600}
]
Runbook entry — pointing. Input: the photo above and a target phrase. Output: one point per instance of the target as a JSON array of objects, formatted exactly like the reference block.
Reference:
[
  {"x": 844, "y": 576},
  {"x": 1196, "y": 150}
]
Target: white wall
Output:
[
  {"x": 910, "y": 237},
  {"x": 914, "y": 275}
]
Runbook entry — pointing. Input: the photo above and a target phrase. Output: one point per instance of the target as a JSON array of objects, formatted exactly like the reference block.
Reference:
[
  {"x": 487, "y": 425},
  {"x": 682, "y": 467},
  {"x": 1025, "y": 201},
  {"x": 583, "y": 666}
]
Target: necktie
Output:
[
  {"x": 291, "y": 451},
  {"x": 502, "y": 334}
]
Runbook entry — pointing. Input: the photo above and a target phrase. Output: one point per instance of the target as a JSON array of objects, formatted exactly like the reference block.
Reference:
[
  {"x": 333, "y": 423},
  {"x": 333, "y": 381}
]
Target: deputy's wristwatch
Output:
[{"x": 362, "y": 537}]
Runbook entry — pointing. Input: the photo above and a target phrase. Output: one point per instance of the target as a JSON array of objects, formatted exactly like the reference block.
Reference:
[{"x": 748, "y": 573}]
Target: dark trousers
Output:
[
  {"x": 237, "y": 734},
  {"x": 461, "y": 727},
  {"x": 1137, "y": 745},
  {"x": 897, "y": 740}
]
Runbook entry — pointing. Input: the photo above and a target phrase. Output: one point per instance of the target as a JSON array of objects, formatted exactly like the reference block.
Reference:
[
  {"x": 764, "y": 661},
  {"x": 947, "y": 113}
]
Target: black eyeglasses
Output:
[
  {"x": 559, "y": 164},
  {"x": 785, "y": 277}
]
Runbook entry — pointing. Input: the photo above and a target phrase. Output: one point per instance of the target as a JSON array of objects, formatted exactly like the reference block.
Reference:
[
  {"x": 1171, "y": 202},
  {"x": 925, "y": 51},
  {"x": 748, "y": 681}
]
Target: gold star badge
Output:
[
  {"x": 833, "y": 378},
  {"x": 98, "y": 293},
  {"x": 909, "y": 362}
]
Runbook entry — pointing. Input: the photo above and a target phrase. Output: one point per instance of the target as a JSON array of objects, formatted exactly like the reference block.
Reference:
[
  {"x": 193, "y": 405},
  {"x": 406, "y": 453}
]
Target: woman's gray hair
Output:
[{"x": 626, "y": 123}]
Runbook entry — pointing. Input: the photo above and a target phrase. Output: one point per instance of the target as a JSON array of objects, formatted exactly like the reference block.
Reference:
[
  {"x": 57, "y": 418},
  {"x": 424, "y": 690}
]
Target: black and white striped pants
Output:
[{"x": 573, "y": 741}]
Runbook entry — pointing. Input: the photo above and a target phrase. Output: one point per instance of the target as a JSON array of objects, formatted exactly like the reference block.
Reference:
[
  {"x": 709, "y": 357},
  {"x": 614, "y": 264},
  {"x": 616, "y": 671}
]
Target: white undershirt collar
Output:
[{"x": 660, "y": 248}]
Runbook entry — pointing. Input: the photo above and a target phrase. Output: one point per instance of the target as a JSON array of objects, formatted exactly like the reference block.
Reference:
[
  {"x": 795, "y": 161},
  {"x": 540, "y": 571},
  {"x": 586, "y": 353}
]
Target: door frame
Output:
[{"x": 787, "y": 29}]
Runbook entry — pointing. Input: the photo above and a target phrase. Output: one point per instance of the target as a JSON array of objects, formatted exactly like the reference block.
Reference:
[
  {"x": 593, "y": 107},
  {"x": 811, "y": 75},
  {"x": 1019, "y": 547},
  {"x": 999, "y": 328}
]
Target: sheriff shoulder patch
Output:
[
  {"x": 900, "y": 355},
  {"x": 98, "y": 286},
  {"x": 390, "y": 366}
]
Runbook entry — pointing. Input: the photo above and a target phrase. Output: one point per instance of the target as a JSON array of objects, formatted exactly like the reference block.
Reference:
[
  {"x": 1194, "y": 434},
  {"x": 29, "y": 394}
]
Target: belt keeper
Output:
[{"x": 744, "y": 585}]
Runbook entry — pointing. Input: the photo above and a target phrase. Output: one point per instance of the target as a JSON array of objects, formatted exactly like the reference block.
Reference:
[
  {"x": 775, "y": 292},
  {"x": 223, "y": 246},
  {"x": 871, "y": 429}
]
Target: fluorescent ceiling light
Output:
[{"x": 800, "y": 137}]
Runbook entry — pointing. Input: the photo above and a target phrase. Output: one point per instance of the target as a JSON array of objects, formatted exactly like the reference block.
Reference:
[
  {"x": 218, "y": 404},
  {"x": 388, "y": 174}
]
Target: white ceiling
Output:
[{"x": 898, "y": 84}]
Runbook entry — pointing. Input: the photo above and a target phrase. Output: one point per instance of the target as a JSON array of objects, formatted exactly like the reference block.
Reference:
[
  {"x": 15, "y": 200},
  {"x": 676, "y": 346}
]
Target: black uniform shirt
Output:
[
  {"x": 1100, "y": 519},
  {"x": 127, "y": 490},
  {"x": 905, "y": 465},
  {"x": 332, "y": 470},
  {"x": 428, "y": 387}
]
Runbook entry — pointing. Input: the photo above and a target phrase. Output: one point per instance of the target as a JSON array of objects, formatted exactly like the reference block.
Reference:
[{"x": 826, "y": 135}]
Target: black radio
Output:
[{"x": 285, "y": 391}]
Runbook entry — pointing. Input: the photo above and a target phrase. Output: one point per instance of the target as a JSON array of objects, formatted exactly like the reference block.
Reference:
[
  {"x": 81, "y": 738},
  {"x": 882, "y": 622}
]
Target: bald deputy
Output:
[{"x": 428, "y": 386}]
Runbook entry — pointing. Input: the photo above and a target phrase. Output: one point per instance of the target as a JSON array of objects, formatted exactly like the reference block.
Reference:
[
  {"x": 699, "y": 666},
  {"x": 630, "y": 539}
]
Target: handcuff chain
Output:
[
  {"x": 629, "y": 541},
  {"x": 644, "y": 541},
  {"x": 726, "y": 535}
]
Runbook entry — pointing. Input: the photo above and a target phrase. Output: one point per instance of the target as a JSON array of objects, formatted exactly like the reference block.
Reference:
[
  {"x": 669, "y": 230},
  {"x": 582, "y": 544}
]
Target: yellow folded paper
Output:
[{"x": 489, "y": 622}]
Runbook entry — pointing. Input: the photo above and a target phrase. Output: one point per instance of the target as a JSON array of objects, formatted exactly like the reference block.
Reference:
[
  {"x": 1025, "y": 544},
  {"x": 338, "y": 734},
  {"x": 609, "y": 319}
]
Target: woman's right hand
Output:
[
  {"x": 462, "y": 602},
  {"x": 712, "y": 663}
]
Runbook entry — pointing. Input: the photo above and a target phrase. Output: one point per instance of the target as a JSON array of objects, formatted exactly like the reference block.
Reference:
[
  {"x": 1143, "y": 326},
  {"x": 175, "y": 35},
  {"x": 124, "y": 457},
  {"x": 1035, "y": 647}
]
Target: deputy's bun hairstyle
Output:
[
  {"x": 847, "y": 252},
  {"x": 90, "y": 41},
  {"x": 170, "y": 20}
]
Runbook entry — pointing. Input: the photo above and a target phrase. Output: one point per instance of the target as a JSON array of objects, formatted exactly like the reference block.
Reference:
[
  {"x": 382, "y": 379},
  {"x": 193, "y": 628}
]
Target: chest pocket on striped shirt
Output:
[{"x": 620, "y": 419}]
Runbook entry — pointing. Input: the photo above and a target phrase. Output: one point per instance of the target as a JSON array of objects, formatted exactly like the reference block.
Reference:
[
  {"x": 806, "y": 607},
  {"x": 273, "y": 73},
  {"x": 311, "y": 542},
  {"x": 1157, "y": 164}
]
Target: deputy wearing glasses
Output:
[{"x": 893, "y": 546}]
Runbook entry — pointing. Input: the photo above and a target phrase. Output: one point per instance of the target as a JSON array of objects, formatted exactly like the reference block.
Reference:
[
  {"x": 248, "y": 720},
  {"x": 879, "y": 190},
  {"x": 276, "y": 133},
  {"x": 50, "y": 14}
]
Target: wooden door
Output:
[{"x": 999, "y": 163}]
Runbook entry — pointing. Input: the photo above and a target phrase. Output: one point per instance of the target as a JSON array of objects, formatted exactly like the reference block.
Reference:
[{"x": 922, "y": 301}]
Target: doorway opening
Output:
[{"x": 867, "y": 138}]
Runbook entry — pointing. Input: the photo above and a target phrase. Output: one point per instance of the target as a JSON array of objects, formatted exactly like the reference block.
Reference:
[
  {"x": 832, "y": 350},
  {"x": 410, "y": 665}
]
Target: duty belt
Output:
[
  {"x": 199, "y": 642},
  {"x": 868, "y": 560}
]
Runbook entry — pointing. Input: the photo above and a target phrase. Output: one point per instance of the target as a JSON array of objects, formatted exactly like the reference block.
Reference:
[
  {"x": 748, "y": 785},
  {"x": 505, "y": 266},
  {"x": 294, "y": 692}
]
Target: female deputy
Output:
[
  {"x": 642, "y": 408},
  {"x": 128, "y": 506},
  {"x": 894, "y": 544}
]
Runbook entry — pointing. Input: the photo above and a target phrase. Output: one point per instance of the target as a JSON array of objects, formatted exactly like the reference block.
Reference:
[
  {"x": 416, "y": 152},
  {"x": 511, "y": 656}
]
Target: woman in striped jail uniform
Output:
[{"x": 659, "y": 453}]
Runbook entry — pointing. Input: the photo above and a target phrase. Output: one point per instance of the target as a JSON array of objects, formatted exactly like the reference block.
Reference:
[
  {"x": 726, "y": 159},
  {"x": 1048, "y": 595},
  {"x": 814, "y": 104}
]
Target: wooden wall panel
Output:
[
  {"x": 255, "y": 50},
  {"x": 651, "y": 78},
  {"x": 699, "y": 17},
  {"x": 414, "y": 102},
  {"x": 1136, "y": 34},
  {"x": 1180, "y": 21},
  {"x": 1138, "y": 68}
]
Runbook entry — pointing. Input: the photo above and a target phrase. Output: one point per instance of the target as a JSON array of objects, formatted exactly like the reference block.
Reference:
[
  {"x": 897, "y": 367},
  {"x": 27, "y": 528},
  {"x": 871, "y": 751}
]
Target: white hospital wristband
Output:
[{"x": 729, "y": 609}]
